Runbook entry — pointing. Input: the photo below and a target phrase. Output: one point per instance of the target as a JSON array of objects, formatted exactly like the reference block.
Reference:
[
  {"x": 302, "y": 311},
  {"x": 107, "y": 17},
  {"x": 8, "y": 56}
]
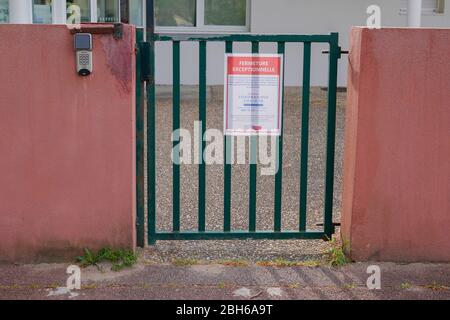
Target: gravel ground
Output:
[{"x": 246, "y": 249}]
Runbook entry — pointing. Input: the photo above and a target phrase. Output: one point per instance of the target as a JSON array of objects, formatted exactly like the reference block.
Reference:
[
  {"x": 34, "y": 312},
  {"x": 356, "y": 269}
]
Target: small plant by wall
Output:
[{"x": 119, "y": 258}]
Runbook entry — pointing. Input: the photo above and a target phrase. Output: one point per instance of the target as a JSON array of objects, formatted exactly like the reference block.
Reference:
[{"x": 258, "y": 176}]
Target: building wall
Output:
[
  {"x": 396, "y": 204},
  {"x": 298, "y": 17},
  {"x": 67, "y": 144},
  {"x": 281, "y": 16}
]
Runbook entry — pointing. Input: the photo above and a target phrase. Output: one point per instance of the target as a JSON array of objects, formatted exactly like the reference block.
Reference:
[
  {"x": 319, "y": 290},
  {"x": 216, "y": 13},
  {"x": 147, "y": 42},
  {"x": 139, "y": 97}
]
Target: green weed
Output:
[
  {"x": 119, "y": 258},
  {"x": 185, "y": 262},
  {"x": 405, "y": 285},
  {"x": 336, "y": 253},
  {"x": 282, "y": 263}
]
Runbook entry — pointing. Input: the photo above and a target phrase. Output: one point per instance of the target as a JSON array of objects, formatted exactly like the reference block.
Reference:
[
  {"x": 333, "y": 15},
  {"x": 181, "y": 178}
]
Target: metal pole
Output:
[
  {"x": 149, "y": 19},
  {"x": 151, "y": 102},
  {"x": 414, "y": 13},
  {"x": 142, "y": 59}
]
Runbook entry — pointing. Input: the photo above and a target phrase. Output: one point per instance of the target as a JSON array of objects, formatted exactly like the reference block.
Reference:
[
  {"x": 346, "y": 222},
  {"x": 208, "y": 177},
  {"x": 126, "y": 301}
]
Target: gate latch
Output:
[{"x": 341, "y": 52}]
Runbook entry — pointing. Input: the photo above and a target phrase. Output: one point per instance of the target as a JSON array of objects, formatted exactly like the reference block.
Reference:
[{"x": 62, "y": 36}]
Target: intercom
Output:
[{"x": 83, "y": 49}]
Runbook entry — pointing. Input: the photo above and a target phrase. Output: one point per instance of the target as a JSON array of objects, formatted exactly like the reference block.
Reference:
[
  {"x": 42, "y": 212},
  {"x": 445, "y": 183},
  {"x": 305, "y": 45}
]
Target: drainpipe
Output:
[
  {"x": 20, "y": 12},
  {"x": 414, "y": 13},
  {"x": 59, "y": 12}
]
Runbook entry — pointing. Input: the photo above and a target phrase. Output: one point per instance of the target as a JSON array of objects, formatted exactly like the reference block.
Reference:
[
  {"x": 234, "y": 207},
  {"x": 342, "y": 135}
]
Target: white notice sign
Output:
[{"x": 253, "y": 94}]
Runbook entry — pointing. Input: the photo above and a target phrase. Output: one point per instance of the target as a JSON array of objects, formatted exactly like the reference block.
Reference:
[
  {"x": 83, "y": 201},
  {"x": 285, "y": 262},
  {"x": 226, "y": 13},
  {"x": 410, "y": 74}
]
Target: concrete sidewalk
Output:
[{"x": 216, "y": 281}]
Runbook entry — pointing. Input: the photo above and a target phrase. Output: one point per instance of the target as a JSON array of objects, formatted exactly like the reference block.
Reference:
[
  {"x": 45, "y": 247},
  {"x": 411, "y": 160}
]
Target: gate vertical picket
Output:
[
  {"x": 176, "y": 138},
  {"x": 227, "y": 167},
  {"x": 305, "y": 135},
  {"x": 202, "y": 119},
  {"x": 279, "y": 157},
  {"x": 253, "y": 170}
]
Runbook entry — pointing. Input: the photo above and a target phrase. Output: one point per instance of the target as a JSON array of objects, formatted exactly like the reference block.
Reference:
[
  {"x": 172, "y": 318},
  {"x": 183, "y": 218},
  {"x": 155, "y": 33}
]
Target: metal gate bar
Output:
[
  {"x": 305, "y": 134},
  {"x": 227, "y": 168},
  {"x": 140, "y": 152},
  {"x": 202, "y": 119},
  {"x": 147, "y": 59},
  {"x": 253, "y": 170},
  {"x": 175, "y": 126},
  {"x": 279, "y": 155}
]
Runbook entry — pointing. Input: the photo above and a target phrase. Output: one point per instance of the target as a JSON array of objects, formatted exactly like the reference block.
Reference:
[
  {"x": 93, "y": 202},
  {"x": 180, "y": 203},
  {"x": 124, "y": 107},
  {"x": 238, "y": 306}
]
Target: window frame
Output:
[
  {"x": 200, "y": 26},
  {"x": 7, "y": 10},
  {"x": 60, "y": 16},
  {"x": 94, "y": 8},
  {"x": 93, "y": 5},
  {"x": 90, "y": 11},
  {"x": 52, "y": 13},
  {"x": 439, "y": 10}
]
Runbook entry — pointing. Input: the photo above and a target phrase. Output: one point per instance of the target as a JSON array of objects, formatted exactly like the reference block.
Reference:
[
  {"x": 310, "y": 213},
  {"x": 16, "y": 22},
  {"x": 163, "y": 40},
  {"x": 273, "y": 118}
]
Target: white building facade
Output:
[{"x": 233, "y": 16}]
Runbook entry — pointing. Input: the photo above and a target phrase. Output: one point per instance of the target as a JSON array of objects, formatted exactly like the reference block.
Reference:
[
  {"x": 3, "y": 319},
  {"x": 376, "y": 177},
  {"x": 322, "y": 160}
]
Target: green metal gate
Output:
[{"x": 146, "y": 72}]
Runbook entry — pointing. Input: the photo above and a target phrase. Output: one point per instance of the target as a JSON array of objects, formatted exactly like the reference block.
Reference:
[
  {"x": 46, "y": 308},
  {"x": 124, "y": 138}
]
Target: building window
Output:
[
  {"x": 137, "y": 13},
  {"x": 202, "y": 15},
  {"x": 440, "y": 6},
  {"x": 175, "y": 13},
  {"x": 78, "y": 11},
  {"x": 42, "y": 11},
  {"x": 225, "y": 13},
  {"x": 108, "y": 11},
  {"x": 4, "y": 11},
  {"x": 73, "y": 11},
  {"x": 429, "y": 7}
]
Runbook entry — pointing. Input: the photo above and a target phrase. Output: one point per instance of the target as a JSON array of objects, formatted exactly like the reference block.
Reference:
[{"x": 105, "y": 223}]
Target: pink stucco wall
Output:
[
  {"x": 67, "y": 157},
  {"x": 396, "y": 202}
]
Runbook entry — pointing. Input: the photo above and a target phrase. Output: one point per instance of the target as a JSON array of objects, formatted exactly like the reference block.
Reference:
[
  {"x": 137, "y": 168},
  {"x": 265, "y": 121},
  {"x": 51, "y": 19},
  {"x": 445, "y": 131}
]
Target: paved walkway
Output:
[{"x": 214, "y": 281}]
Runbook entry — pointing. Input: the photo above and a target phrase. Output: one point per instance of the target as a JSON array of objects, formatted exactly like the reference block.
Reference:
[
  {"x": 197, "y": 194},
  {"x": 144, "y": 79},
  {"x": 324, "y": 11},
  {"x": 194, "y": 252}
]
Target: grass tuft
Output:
[
  {"x": 350, "y": 286},
  {"x": 119, "y": 258},
  {"x": 437, "y": 287},
  {"x": 185, "y": 262},
  {"x": 336, "y": 253},
  {"x": 234, "y": 263},
  {"x": 406, "y": 285},
  {"x": 282, "y": 263}
]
